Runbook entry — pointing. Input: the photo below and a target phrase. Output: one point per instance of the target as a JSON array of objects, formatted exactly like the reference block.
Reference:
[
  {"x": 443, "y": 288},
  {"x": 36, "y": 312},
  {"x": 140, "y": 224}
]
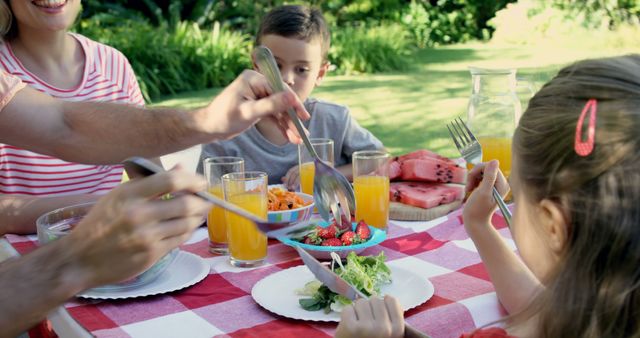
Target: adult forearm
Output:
[
  {"x": 109, "y": 133},
  {"x": 18, "y": 214},
  {"x": 515, "y": 284},
  {"x": 33, "y": 285},
  {"x": 101, "y": 133}
]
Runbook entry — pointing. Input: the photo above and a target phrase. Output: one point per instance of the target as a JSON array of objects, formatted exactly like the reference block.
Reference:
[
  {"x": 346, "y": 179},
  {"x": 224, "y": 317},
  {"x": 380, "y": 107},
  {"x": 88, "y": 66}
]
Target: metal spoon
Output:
[
  {"x": 332, "y": 191},
  {"x": 141, "y": 167}
]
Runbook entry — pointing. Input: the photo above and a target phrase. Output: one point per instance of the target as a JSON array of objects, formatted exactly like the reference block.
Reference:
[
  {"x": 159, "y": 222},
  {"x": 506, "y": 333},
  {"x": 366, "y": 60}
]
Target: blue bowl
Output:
[
  {"x": 293, "y": 216},
  {"x": 324, "y": 252}
]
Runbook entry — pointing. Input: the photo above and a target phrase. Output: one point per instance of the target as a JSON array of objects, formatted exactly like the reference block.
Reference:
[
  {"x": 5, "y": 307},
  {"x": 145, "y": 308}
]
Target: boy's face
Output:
[{"x": 300, "y": 62}]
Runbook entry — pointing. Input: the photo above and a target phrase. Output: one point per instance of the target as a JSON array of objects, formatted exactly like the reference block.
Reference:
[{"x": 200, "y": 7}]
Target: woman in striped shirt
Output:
[{"x": 68, "y": 66}]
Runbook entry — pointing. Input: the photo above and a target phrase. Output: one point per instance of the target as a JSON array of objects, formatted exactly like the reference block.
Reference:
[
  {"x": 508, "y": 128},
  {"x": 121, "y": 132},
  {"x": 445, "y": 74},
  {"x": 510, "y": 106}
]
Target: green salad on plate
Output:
[{"x": 366, "y": 273}]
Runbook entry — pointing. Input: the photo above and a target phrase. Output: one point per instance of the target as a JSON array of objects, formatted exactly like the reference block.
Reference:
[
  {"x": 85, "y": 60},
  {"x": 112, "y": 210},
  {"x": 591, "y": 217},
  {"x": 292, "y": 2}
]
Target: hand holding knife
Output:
[{"x": 338, "y": 285}]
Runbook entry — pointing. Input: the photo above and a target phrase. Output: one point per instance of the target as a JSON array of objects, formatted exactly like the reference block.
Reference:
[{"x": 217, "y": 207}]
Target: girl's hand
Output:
[
  {"x": 291, "y": 180},
  {"x": 374, "y": 317},
  {"x": 480, "y": 205}
]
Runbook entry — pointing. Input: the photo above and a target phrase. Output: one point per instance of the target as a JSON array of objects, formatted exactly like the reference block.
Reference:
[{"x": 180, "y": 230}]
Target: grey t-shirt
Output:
[{"x": 328, "y": 120}]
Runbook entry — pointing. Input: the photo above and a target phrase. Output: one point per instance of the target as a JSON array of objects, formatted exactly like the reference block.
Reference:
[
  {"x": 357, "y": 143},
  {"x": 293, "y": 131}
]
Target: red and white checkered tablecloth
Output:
[{"x": 221, "y": 304}]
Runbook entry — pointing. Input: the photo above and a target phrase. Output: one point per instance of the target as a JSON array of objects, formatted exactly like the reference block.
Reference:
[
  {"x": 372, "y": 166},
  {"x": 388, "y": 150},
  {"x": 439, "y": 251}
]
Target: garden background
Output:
[{"x": 401, "y": 66}]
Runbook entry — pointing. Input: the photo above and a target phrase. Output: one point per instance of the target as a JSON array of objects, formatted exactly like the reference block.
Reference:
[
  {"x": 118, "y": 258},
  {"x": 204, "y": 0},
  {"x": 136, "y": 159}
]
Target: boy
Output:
[{"x": 299, "y": 39}]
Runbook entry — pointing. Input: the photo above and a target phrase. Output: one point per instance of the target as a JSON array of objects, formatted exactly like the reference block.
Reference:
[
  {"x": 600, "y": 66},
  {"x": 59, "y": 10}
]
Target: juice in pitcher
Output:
[
  {"x": 307, "y": 172},
  {"x": 247, "y": 245},
  {"x": 497, "y": 148},
  {"x": 372, "y": 200},
  {"x": 216, "y": 222}
]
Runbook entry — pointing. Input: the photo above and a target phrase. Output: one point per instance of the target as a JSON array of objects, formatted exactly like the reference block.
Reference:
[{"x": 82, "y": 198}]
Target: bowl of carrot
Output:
[{"x": 288, "y": 206}]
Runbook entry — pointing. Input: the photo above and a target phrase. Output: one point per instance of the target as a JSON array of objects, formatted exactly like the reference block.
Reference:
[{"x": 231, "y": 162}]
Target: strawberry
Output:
[
  {"x": 312, "y": 237},
  {"x": 362, "y": 230},
  {"x": 328, "y": 232},
  {"x": 348, "y": 238},
  {"x": 331, "y": 242}
]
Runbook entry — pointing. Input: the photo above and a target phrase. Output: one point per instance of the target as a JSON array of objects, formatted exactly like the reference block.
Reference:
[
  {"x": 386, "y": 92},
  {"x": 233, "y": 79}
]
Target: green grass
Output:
[{"x": 408, "y": 110}]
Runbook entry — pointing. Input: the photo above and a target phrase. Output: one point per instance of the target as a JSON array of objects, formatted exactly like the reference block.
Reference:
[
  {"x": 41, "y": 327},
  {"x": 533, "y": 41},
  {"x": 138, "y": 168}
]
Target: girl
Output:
[
  {"x": 576, "y": 185},
  {"x": 38, "y": 49}
]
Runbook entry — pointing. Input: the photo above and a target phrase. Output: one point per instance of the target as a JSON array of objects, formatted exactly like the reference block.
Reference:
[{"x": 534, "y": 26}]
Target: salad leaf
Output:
[
  {"x": 310, "y": 288},
  {"x": 321, "y": 300},
  {"x": 367, "y": 273}
]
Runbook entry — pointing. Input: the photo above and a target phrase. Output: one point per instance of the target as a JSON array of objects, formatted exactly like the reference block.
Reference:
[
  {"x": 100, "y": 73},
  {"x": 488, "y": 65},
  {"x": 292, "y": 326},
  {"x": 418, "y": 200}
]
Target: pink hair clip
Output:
[{"x": 584, "y": 148}]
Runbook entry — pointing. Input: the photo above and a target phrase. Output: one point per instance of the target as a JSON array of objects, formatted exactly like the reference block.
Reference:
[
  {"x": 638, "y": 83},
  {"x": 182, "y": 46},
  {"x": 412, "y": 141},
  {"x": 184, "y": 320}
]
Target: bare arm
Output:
[
  {"x": 33, "y": 285},
  {"x": 18, "y": 214},
  {"x": 515, "y": 284},
  {"x": 124, "y": 234},
  {"x": 91, "y": 132}
]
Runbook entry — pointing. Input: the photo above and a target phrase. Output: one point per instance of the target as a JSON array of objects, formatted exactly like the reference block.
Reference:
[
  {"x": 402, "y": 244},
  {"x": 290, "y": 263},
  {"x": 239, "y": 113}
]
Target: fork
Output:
[{"x": 471, "y": 151}]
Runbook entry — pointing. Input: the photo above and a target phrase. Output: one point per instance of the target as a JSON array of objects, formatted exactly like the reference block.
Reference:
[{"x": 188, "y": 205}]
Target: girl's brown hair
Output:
[
  {"x": 595, "y": 290},
  {"x": 7, "y": 24}
]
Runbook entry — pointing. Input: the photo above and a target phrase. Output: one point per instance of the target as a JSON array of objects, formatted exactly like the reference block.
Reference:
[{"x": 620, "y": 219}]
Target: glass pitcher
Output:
[{"x": 493, "y": 113}]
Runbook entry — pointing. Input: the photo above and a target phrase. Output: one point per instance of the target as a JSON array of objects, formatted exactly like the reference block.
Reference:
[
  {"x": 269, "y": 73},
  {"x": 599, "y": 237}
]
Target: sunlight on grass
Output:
[{"x": 408, "y": 111}]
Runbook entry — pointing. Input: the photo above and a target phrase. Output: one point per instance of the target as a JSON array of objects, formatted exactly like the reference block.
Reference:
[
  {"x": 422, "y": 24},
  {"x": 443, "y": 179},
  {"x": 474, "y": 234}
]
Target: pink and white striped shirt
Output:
[{"x": 107, "y": 76}]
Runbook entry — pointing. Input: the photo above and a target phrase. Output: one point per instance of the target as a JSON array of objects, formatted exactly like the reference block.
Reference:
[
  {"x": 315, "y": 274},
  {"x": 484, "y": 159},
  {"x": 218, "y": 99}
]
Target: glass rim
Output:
[
  {"x": 491, "y": 71},
  {"x": 225, "y": 160},
  {"x": 370, "y": 154},
  {"x": 244, "y": 176},
  {"x": 318, "y": 141}
]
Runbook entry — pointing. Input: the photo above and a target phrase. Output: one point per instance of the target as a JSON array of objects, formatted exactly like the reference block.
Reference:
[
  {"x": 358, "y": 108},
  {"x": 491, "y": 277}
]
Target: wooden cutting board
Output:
[{"x": 403, "y": 212}]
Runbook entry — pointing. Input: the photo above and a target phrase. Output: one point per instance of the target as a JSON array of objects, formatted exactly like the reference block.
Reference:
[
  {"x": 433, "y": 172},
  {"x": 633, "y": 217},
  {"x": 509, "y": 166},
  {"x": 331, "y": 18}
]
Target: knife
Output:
[{"x": 338, "y": 285}]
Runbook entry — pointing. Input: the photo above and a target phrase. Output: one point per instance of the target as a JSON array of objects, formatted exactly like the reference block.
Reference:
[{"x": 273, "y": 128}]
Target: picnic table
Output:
[{"x": 221, "y": 304}]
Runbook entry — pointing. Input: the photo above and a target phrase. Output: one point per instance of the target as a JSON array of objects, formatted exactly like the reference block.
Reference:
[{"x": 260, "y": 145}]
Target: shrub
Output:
[
  {"x": 370, "y": 49},
  {"x": 530, "y": 22},
  {"x": 614, "y": 13},
  {"x": 170, "y": 60},
  {"x": 432, "y": 23}
]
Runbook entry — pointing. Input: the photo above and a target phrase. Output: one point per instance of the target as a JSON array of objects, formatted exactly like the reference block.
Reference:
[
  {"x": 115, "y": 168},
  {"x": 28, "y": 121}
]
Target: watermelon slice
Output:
[
  {"x": 423, "y": 153},
  {"x": 395, "y": 170},
  {"x": 432, "y": 170},
  {"x": 426, "y": 166},
  {"x": 425, "y": 195}
]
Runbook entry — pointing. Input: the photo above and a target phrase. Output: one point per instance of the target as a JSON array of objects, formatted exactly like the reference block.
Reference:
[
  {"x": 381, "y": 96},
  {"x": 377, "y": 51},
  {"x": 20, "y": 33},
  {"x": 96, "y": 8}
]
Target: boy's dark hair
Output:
[{"x": 295, "y": 21}]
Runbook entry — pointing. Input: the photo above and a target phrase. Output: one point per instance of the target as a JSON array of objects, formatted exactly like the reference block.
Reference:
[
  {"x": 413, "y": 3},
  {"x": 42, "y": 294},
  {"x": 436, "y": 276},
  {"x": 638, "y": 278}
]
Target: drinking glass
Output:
[
  {"x": 214, "y": 169},
  {"x": 324, "y": 149},
  {"x": 371, "y": 187},
  {"x": 248, "y": 190},
  {"x": 493, "y": 113}
]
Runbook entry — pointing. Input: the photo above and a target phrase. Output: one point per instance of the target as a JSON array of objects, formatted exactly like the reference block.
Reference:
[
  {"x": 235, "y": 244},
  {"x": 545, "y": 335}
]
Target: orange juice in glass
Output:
[
  {"x": 324, "y": 149},
  {"x": 248, "y": 190},
  {"x": 371, "y": 187},
  {"x": 214, "y": 168},
  {"x": 307, "y": 173},
  {"x": 216, "y": 223}
]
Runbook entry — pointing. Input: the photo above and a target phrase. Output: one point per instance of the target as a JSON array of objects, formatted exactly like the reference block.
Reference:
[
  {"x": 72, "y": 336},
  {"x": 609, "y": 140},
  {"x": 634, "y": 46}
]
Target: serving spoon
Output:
[{"x": 332, "y": 191}]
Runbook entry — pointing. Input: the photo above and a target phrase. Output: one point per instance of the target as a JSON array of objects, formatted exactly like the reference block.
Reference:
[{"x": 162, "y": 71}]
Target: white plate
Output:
[
  {"x": 186, "y": 270},
  {"x": 277, "y": 292}
]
